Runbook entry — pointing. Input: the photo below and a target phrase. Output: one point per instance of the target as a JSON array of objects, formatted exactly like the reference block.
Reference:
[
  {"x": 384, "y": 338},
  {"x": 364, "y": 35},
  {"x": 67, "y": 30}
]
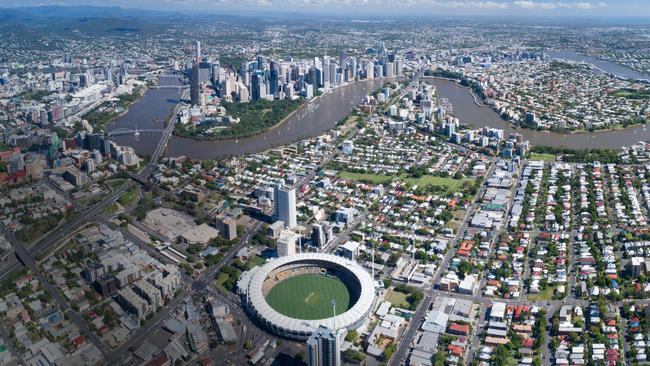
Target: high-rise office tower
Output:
[
  {"x": 326, "y": 71},
  {"x": 195, "y": 78},
  {"x": 205, "y": 72},
  {"x": 333, "y": 79},
  {"x": 256, "y": 87},
  {"x": 216, "y": 73},
  {"x": 313, "y": 78},
  {"x": 108, "y": 75},
  {"x": 273, "y": 78},
  {"x": 382, "y": 53},
  {"x": 370, "y": 70},
  {"x": 195, "y": 85},
  {"x": 324, "y": 347},
  {"x": 260, "y": 62},
  {"x": 285, "y": 205}
]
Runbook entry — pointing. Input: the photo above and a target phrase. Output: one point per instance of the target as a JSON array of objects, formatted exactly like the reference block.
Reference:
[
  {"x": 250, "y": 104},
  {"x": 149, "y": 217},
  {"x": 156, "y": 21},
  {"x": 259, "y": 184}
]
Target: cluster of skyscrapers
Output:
[{"x": 270, "y": 79}]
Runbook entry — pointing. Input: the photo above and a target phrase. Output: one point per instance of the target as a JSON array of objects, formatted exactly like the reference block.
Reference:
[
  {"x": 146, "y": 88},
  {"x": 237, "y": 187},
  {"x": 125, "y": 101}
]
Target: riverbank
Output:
[
  {"x": 469, "y": 113},
  {"x": 252, "y": 120},
  {"x": 523, "y": 127},
  {"x": 313, "y": 119},
  {"x": 104, "y": 122},
  {"x": 301, "y": 108},
  {"x": 602, "y": 64}
]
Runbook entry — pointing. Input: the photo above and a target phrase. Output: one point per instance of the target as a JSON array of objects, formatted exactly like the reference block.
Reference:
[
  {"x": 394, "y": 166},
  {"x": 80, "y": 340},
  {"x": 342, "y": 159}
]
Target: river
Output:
[
  {"x": 607, "y": 66},
  {"x": 322, "y": 114},
  {"x": 471, "y": 114},
  {"x": 149, "y": 112},
  {"x": 312, "y": 119}
]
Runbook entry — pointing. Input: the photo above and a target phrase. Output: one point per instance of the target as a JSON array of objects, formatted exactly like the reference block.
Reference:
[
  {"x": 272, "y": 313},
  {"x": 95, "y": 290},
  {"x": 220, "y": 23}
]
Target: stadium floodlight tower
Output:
[
  {"x": 334, "y": 317},
  {"x": 373, "y": 264}
]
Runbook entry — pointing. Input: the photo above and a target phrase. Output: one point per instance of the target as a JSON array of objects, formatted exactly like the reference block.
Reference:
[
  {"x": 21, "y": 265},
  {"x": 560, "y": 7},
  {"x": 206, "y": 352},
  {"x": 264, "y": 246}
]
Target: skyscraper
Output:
[
  {"x": 333, "y": 80},
  {"x": 273, "y": 78},
  {"x": 285, "y": 205},
  {"x": 324, "y": 347},
  {"x": 326, "y": 71},
  {"x": 195, "y": 85},
  {"x": 256, "y": 87},
  {"x": 195, "y": 78},
  {"x": 370, "y": 71}
]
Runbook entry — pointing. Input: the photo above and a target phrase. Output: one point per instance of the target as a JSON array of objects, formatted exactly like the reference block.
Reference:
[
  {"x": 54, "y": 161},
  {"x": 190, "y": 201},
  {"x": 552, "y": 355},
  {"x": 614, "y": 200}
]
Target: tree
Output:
[
  {"x": 352, "y": 336},
  {"x": 301, "y": 355},
  {"x": 464, "y": 268},
  {"x": 248, "y": 345},
  {"x": 352, "y": 356},
  {"x": 388, "y": 352}
]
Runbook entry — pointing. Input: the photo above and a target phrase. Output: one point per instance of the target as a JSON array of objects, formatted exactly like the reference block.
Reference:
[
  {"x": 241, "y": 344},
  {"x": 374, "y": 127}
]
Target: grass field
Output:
[
  {"x": 255, "y": 261},
  {"x": 129, "y": 197},
  {"x": 451, "y": 184},
  {"x": 429, "y": 180},
  {"x": 370, "y": 178},
  {"x": 545, "y": 157},
  {"x": 309, "y": 297},
  {"x": 543, "y": 295},
  {"x": 396, "y": 298}
]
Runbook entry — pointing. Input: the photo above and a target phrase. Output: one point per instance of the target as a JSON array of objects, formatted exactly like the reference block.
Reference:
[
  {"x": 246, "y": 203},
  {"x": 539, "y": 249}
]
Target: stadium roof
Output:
[{"x": 252, "y": 286}]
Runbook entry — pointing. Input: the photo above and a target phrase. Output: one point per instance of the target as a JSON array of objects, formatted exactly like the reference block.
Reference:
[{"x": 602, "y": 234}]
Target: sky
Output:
[{"x": 351, "y": 8}]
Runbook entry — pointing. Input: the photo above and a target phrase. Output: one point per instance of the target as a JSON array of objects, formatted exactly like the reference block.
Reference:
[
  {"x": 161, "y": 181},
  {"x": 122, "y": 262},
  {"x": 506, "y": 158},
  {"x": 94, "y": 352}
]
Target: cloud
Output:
[
  {"x": 543, "y": 5},
  {"x": 452, "y": 6},
  {"x": 472, "y": 4}
]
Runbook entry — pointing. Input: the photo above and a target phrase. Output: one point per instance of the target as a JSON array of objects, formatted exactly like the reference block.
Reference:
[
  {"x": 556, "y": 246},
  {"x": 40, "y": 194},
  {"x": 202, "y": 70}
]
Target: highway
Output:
[{"x": 45, "y": 244}]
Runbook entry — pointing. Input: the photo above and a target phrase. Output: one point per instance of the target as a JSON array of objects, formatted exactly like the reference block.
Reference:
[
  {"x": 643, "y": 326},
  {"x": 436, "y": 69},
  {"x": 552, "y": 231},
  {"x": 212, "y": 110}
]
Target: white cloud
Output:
[
  {"x": 388, "y": 5},
  {"x": 452, "y": 4},
  {"x": 543, "y": 5}
]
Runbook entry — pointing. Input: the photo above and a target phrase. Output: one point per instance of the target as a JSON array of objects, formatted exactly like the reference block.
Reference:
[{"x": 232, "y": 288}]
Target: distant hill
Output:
[{"x": 60, "y": 12}]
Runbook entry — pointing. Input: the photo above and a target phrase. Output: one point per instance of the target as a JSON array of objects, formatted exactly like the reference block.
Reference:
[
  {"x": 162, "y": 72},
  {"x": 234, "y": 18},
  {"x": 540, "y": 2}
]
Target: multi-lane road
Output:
[{"x": 49, "y": 241}]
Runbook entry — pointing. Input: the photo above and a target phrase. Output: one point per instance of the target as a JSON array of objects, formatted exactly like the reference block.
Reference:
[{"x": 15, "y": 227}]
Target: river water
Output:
[
  {"x": 310, "y": 120},
  {"x": 149, "y": 112},
  {"x": 610, "y": 67},
  {"x": 471, "y": 114},
  {"x": 320, "y": 115}
]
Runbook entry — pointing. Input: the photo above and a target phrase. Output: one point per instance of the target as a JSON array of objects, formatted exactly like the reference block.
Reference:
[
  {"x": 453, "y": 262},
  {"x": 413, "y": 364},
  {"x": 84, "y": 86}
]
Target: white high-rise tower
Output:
[
  {"x": 285, "y": 205},
  {"x": 324, "y": 347}
]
